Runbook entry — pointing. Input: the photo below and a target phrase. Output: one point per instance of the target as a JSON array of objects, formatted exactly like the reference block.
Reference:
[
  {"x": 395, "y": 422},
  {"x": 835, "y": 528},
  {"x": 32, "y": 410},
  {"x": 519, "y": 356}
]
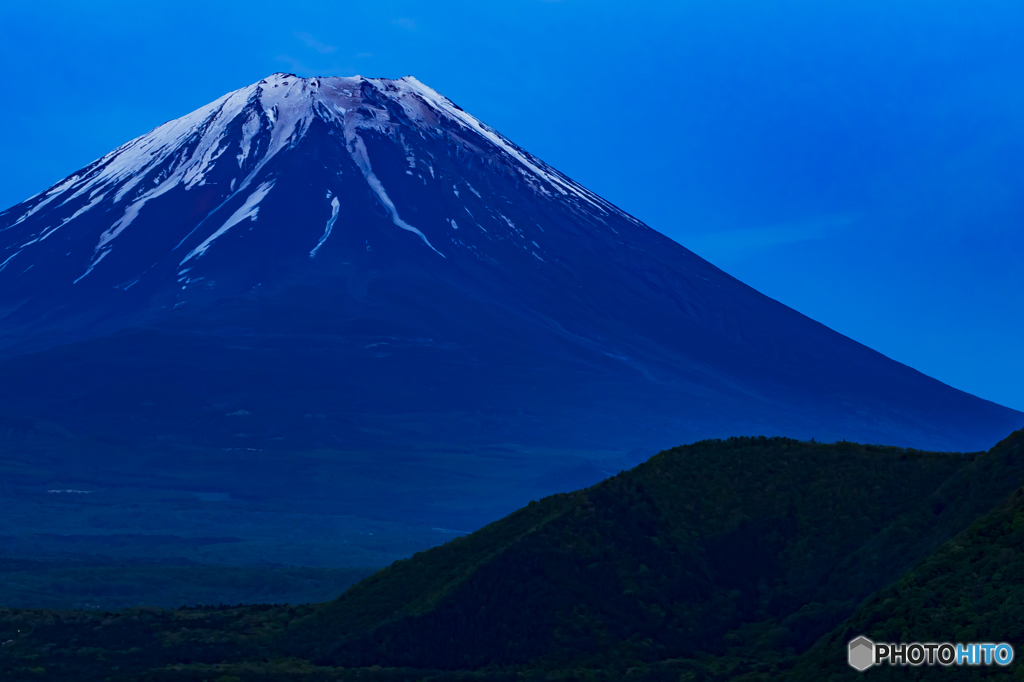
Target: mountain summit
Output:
[
  {"x": 358, "y": 263},
  {"x": 204, "y": 177}
]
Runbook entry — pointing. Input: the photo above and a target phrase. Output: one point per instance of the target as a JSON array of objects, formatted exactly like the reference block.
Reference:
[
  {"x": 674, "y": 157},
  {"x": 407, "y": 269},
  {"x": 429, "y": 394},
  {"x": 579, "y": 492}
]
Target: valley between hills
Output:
[{"x": 743, "y": 559}]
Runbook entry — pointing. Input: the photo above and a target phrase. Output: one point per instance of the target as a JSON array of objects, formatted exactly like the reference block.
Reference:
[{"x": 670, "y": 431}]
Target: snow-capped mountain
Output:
[
  {"x": 203, "y": 179},
  {"x": 339, "y": 260}
]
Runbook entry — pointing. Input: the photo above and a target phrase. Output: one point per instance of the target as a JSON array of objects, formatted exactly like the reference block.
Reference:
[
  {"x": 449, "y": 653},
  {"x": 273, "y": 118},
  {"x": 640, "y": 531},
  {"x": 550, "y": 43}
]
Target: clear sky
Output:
[{"x": 861, "y": 161}]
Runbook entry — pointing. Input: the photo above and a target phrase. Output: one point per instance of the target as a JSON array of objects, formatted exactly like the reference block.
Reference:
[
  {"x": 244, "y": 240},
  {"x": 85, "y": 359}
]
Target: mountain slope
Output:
[
  {"x": 358, "y": 264},
  {"x": 969, "y": 590}
]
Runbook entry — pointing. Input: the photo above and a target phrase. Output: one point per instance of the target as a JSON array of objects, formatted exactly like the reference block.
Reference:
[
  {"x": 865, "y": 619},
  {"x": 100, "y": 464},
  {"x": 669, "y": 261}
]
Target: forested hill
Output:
[
  {"x": 970, "y": 590},
  {"x": 766, "y": 542},
  {"x": 658, "y": 562},
  {"x": 717, "y": 560}
]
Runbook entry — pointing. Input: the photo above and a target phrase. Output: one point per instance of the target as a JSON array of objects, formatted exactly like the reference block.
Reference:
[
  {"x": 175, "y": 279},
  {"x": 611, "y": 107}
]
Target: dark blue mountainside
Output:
[{"x": 352, "y": 265}]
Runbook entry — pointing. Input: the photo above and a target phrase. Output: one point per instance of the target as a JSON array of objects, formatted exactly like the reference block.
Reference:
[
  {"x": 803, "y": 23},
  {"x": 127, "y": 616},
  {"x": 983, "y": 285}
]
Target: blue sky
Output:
[{"x": 861, "y": 161}]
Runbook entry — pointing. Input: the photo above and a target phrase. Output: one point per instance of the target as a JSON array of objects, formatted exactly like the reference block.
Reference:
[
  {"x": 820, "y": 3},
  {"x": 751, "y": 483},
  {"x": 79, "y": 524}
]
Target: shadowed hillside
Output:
[
  {"x": 658, "y": 562},
  {"x": 970, "y": 590}
]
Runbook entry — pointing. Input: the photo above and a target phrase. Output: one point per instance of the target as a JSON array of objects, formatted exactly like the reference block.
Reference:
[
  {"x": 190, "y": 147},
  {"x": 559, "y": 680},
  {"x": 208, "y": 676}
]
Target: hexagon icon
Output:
[{"x": 861, "y": 653}]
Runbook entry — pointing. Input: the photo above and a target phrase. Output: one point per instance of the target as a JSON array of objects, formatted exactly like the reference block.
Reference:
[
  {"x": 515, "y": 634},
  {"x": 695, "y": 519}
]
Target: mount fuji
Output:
[{"x": 356, "y": 265}]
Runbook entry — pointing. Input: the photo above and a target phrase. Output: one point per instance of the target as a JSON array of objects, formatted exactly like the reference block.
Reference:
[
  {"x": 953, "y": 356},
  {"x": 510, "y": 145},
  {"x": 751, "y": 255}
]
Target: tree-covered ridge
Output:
[
  {"x": 657, "y": 562},
  {"x": 970, "y": 590},
  {"x": 714, "y": 561}
]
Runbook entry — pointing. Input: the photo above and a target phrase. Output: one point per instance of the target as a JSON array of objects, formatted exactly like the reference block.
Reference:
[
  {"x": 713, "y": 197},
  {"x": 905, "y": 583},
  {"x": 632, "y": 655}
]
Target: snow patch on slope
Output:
[
  {"x": 248, "y": 210},
  {"x": 249, "y": 130},
  {"x": 444, "y": 105},
  {"x": 92, "y": 266},
  {"x": 335, "y": 207},
  {"x": 357, "y": 148}
]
